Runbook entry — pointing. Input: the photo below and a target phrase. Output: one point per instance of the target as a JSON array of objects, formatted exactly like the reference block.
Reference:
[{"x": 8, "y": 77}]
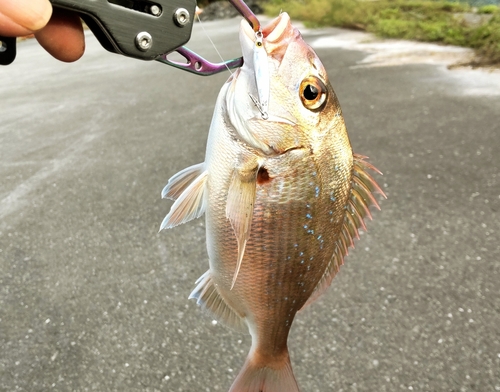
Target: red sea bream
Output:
[{"x": 282, "y": 193}]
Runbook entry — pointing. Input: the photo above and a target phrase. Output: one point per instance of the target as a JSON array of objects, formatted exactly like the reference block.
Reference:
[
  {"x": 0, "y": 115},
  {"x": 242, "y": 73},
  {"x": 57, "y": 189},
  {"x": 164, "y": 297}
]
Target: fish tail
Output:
[{"x": 270, "y": 377}]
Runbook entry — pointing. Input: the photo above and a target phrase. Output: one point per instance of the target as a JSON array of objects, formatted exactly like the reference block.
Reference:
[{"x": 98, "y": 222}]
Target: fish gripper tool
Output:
[{"x": 143, "y": 29}]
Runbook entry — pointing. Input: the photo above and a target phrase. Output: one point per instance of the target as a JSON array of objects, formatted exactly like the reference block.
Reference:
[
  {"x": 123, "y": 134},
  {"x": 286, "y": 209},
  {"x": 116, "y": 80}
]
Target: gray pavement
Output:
[{"x": 92, "y": 298}]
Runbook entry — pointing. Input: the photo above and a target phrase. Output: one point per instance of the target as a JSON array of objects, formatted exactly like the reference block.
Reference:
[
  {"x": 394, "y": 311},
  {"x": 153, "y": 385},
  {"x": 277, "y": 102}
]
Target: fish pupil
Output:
[{"x": 311, "y": 92}]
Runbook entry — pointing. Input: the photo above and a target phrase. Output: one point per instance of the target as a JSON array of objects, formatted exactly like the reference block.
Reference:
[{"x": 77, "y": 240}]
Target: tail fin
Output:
[{"x": 277, "y": 377}]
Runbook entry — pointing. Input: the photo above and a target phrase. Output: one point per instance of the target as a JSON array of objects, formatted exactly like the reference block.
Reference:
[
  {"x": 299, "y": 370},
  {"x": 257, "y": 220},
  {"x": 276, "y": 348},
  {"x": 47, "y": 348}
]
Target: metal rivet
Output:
[
  {"x": 143, "y": 41},
  {"x": 155, "y": 10},
  {"x": 181, "y": 17}
]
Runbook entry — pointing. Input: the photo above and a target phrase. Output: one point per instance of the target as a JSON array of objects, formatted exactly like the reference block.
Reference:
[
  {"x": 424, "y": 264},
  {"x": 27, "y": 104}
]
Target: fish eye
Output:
[{"x": 313, "y": 93}]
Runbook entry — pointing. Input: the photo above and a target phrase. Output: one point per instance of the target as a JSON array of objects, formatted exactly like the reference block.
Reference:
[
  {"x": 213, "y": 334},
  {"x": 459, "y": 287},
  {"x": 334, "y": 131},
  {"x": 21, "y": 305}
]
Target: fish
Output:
[{"x": 283, "y": 194}]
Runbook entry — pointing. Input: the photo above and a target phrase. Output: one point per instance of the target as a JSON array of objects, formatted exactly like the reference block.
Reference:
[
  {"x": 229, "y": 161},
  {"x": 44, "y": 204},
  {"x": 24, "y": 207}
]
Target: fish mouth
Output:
[{"x": 259, "y": 50}]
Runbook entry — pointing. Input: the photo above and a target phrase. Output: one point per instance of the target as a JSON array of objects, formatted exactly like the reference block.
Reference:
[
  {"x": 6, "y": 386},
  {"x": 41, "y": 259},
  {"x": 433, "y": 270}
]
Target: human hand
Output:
[{"x": 59, "y": 32}]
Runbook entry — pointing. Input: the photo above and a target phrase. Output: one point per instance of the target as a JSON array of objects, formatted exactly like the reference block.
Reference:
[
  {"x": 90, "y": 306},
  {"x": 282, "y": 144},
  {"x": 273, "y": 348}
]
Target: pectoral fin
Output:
[
  {"x": 239, "y": 209},
  {"x": 190, "y": 204},
  {"x": 180, "y": 181}
]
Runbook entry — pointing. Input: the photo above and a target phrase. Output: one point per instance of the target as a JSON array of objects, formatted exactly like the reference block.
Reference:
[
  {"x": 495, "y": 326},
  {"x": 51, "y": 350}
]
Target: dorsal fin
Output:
[
  {"x": 357, "y": 209},
  {"x": 209, "y": 298}
]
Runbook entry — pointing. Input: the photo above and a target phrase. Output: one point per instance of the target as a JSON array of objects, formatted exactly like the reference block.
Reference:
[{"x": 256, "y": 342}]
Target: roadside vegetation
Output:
[{"x": 432, "y": 21}]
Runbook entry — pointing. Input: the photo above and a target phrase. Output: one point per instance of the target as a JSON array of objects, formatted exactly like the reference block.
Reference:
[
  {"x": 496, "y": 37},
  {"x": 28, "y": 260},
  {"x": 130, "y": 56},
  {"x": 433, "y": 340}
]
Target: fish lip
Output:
[
  {"x": 272, "y": 32},
  {"x": 275, "y": 30},
  {"x": 247, "y": 29}
]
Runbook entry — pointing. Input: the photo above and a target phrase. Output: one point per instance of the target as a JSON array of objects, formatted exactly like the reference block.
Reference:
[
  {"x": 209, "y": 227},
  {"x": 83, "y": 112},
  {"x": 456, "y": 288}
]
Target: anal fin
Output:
[{"x": 209, "y": 298}]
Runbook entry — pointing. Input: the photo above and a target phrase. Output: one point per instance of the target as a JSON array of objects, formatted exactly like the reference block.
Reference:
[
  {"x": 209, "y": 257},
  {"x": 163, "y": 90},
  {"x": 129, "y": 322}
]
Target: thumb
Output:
[{"x": 30, "y": 14}]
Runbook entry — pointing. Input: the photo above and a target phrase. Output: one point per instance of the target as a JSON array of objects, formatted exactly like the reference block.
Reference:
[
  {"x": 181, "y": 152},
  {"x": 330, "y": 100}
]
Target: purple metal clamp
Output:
[{"x": 200, "y": 66}]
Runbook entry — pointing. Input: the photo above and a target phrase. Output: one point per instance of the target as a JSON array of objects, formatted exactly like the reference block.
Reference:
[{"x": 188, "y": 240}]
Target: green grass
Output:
[
  {"x": 487, "y": 9},
  {"x": 432, "y": 21}
]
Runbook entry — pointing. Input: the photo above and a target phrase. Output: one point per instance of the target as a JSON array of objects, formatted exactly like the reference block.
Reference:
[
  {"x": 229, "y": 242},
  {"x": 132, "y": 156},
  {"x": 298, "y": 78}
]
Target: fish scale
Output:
[{"x": 283, "y": 197}]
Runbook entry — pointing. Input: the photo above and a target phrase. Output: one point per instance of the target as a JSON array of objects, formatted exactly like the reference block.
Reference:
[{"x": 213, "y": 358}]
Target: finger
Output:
[
  {"x": 30, "y": 14},
  {"x": 63, "y": 36},
  {"x": 8, "y": 28}
]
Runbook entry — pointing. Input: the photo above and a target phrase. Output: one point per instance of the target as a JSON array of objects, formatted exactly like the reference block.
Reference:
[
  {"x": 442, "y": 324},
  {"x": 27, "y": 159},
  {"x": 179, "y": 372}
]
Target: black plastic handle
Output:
[{"x": 7, "y": 50}]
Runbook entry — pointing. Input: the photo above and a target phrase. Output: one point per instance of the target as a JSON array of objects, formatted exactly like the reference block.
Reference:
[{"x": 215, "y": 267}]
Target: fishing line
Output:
[{"x": 212, "y": 42}]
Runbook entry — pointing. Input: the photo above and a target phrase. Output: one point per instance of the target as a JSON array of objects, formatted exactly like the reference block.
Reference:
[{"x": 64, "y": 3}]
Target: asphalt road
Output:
[{"x": 92, "y": 298}]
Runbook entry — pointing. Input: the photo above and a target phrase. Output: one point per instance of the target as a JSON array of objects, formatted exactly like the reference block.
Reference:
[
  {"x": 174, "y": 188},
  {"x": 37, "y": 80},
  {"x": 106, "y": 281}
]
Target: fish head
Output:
[{"x": 281, "y": 98}]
